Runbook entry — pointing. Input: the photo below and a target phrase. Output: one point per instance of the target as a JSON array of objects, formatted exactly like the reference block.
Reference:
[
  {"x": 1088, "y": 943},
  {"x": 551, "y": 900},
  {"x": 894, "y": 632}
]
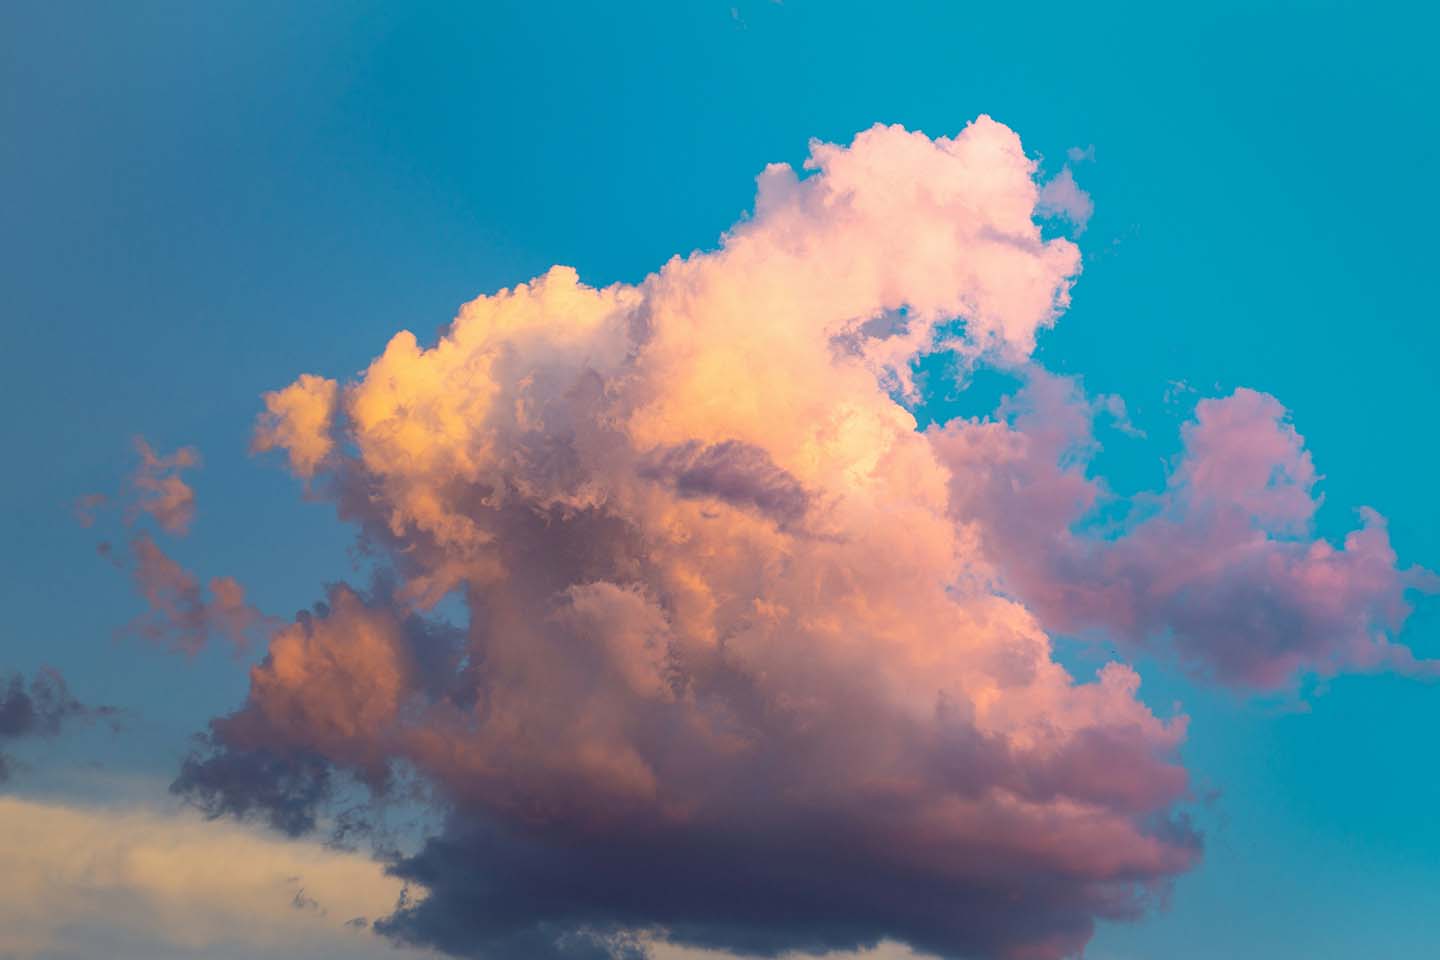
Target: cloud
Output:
[
  {"x": 733, "y": 677},
  {"x": 297, "y": 420},
  {"x": 38, "y": 708},
  {"x": 1062, "y": 197},
  {"x": 1222, "y": 567},
  {"x": 732, "y": 472},
  {"x": 748, "y": 662},
  {"x": 136, "y": 885},
  {"x": 161, "y": 491},
  {"x": 84, "y": 509},
  {"x": 285, "y": 790},
  {"x": 180, "y": 617},
  {"x": 156, "y": 488}
]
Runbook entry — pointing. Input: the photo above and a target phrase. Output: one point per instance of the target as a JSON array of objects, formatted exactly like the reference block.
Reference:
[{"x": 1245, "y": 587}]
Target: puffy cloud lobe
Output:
[
  {"x": 297, "y": 420},
  {"x": 342, "y": 673},
  {"x": 732, "y": 675},
  {"x": 340, "y": 677},
  {"x": 1222, "y": 566}
]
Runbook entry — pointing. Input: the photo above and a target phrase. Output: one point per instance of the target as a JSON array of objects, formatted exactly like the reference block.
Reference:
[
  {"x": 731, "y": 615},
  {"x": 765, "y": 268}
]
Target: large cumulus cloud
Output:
[{"x": 743, "y": 666}]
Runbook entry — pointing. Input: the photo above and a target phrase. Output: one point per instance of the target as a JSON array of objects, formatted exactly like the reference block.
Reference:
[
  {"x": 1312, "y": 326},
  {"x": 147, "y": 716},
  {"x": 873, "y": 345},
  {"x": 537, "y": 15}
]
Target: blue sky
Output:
[{"x": 205, "y": 200}]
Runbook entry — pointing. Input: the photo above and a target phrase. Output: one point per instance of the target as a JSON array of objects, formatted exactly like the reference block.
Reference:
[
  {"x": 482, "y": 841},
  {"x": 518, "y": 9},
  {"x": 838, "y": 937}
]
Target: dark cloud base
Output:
[{"x": 803, "y": 886}]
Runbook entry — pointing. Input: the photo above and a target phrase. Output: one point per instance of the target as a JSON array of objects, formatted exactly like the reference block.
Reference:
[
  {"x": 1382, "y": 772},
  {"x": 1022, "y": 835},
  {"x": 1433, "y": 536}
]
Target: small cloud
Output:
[
  {"x": 85, "y": 507},
  {"x": 1062, "y": 197},
  {"x": 1176, "y": 390},
  {"x": 1113, "y": 405},
  {"x": 162, "y": 492},
  {"x": 180, "y": 616}
]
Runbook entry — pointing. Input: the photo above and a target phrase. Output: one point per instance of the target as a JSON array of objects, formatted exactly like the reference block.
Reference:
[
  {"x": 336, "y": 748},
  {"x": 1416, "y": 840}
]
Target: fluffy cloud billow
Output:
[{"x": 751, "y": 663}]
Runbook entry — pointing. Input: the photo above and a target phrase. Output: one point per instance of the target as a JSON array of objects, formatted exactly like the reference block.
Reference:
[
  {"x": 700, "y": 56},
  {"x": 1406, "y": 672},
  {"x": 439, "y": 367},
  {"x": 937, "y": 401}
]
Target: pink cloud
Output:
[
  {"x": 1062, "y": 197},
  {"x": 163, "y": 493},
  {"x": 732, "y": 675},
  {"x": 179, "y": 616},
  {"x": 1221, "y": 567},
  {"x": 748, "y": 661},
  {"x": 85, "y": 508},
  {"x": 297, "y": 420}
]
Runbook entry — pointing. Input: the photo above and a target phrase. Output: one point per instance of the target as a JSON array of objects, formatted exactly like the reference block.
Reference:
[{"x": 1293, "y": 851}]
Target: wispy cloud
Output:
[
  {"x": 181, "y": 614},
  {"x": 40, "y": 707},
  {"x": 162, "y": 491}
]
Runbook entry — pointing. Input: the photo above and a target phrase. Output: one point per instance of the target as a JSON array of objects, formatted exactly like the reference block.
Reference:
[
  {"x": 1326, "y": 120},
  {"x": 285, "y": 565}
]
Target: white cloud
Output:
[{"x": 136, "y": 884}]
